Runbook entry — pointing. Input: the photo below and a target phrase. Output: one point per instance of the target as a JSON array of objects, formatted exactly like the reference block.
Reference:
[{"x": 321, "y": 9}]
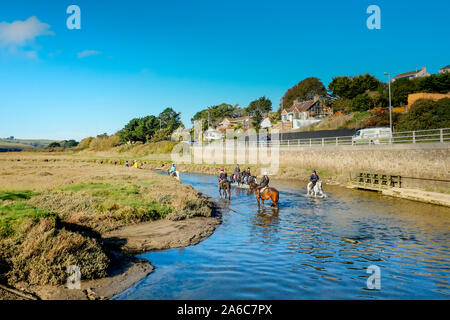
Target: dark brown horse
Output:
[
  {"x": 267, "y": 193},
  {"x": 226, "y": 188}
]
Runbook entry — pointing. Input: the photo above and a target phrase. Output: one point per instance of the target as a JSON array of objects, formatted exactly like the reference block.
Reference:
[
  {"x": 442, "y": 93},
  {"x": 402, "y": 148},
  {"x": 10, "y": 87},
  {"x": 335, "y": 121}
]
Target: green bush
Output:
[{"x": 426, "y": 114}]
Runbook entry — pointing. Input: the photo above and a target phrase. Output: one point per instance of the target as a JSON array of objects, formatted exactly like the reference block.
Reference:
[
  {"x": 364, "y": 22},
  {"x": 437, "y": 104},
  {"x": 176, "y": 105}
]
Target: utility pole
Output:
[
  {"x": 390, "y": 103},
  {"x": 208, "y": 118}
]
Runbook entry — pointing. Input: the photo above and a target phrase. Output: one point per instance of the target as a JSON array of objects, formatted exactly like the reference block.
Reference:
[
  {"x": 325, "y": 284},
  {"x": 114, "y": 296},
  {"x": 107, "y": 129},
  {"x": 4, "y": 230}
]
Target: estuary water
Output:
[{"x": 308, "y": 249}]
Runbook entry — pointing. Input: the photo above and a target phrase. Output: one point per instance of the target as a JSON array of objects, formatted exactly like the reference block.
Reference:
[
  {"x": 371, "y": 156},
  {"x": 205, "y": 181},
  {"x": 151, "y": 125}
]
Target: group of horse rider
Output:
[
  {"x": 223, "y": 176},
  {"x": 245, "y": 175}
]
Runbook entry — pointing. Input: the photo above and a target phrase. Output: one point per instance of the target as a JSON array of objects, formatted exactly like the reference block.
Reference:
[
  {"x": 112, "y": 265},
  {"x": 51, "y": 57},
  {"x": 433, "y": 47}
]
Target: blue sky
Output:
[{"x": 135, "y": 58}]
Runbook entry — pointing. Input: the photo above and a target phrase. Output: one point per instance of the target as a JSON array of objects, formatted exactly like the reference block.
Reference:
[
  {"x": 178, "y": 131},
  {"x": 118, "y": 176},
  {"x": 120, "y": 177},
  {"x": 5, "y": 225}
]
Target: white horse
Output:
[
  {"x": 315, "y": 192},
  {"x": 175, "y": 174}
]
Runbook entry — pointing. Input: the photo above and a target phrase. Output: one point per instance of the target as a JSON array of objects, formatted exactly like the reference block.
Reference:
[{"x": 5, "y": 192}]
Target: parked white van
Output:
[
  {"x": 212, "y": 134},
  {"x": 373, "y": 135}
]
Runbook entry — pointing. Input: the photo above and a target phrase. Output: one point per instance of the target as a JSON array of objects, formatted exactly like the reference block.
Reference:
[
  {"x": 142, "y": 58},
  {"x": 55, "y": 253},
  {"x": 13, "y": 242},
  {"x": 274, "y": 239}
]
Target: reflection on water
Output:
[{"x": 308, "y": 249}]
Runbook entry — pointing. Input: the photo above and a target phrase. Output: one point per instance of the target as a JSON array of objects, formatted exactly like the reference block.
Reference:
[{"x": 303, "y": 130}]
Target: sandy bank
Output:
[
  {"x": 125, "y": 270},
  {"x": 162, "y": 234}
]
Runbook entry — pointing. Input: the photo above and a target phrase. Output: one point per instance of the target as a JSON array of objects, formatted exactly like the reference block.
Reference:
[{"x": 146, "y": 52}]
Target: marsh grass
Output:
[
  {"x": 53, "y": 220},
  {"x": 16, "y": 195},
  {"x": 124, "y": 201},
  {"x": 15, "y": 214},
  {"x": 36, "y": 248}
]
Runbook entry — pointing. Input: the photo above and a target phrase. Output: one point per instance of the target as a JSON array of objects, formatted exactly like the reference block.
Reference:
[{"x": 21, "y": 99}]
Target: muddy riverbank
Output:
[
  {"x": 126, "y": 270},
  {"x": 57, "y": 214}
]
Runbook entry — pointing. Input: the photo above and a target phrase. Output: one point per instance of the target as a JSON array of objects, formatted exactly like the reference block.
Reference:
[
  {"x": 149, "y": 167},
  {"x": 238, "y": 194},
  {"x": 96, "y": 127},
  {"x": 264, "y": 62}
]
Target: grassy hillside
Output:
[{"x": 24, "y": 143}]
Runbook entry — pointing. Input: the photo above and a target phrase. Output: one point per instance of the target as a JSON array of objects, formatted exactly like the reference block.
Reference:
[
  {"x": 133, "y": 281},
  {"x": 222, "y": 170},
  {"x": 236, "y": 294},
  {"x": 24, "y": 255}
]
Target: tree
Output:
[
  {"x": 139, "y": 129},
  {"x": 257, "y": 108},
  {"x": 438, "y": 83},
  {"x": 70, "y": 143},
  {"x": 426, "y": 114},
  {"x": 54, "y": 145},
  {"x": 170, "y": 119},
  {"x": 350, "y": 87},
  {"x": 257, "y": 117},
  {"x": 341, "y": 87},
  {"x": 341, "y": 104},
  {"x": 263, "y": 104},
  {"x": 362, "y": 102},
  {"x": 304, "y": 90},
  {"x": 216, "y": 114},
  {"x": 161, "y": 135},
  {"x": 400, "y": 90}
]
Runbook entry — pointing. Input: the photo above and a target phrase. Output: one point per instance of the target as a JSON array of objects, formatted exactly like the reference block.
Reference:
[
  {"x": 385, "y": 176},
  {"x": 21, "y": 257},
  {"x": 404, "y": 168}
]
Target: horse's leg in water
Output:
[
  {"x": 229, "y": 192},
  {"x": 275, "y": 199}
]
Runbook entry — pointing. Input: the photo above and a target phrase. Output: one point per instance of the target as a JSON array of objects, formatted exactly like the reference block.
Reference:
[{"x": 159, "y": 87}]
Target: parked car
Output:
[{"x": 372, "y": 135}]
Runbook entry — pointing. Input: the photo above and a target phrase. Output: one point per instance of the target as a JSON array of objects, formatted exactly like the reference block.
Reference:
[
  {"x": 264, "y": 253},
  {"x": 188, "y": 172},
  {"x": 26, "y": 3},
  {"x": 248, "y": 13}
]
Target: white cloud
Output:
[
  {"x": 87, "y": 53},
  {"x": 30, "y": 54},
  {"x": 20, "y": 33}
]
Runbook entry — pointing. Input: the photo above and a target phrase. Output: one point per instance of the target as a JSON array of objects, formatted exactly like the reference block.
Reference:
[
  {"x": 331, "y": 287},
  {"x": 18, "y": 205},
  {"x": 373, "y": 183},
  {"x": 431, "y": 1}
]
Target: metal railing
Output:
[{"x": 405, "y": 137}]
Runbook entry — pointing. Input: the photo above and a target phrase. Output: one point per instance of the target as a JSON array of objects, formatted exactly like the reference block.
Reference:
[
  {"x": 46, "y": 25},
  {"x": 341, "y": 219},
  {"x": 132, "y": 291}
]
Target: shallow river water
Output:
[{"x": 309, "y": 249}]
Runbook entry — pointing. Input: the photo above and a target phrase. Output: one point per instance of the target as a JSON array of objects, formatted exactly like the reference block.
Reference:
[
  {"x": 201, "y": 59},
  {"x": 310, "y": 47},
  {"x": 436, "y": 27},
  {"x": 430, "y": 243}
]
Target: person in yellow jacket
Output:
[{"x": 136, "y": 164}]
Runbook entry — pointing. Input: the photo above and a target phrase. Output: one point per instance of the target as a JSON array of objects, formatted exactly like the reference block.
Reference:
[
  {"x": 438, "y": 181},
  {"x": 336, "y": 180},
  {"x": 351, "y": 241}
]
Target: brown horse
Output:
[
  {"x": 268, "y": 193},
  {"x": 226, "y": 187}
]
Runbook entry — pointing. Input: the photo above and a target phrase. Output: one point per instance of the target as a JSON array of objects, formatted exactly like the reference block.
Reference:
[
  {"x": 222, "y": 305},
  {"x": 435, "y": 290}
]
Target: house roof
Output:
[
  {"x": 446, "y": 67},
  {"x": 406, "y": 74},
  {"x": 236, "y": 119},
  {"x": 300, "y": 106}
]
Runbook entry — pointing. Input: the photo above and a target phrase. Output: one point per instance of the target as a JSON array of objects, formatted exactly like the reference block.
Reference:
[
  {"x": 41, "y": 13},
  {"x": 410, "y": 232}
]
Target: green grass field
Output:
[{"x": 24, "y": 143}]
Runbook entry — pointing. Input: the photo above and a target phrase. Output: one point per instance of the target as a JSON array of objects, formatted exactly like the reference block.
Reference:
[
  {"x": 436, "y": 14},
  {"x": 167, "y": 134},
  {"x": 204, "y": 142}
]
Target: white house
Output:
[
  {"x": 412, "y": 74},
  {"x": 444, "y": 69},
  {"x": 266, "y": 122}
]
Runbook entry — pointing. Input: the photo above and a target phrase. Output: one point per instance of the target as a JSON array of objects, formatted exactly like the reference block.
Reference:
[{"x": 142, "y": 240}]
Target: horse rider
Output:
[
  {"x": 247, "y": 174},
  {"x": 314, "y": 178},
  {"x": 244, "y": 175},
  {"x": 222, "y": 176},
  {"x": 172, "y": 169},
  {"x": 264, "y": 182},
  {"x": 237, "y": 173}
]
